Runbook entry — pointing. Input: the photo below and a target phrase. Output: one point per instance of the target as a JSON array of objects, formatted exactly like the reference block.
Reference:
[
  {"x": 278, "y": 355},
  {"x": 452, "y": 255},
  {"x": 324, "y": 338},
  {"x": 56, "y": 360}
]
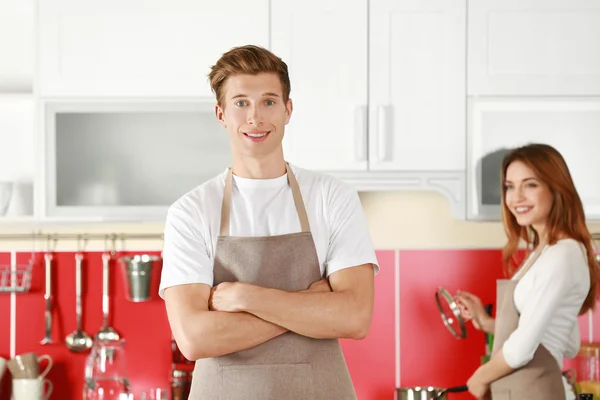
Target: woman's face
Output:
[{"x": 527, "y": 198}]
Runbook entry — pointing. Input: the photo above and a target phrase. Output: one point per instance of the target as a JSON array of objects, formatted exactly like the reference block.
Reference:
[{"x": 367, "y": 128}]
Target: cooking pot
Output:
[{"x": 427, "y": 393}]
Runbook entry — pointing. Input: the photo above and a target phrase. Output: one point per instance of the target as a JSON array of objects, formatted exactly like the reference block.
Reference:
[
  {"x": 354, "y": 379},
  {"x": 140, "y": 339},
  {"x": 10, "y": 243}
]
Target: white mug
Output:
[{"x": 31, "y": 389}]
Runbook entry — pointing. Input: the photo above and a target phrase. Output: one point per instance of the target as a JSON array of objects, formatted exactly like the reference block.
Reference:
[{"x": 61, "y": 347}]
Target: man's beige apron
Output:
[
  {"x": 290, "y": 366},
  {"x": 541, "y": 378}
]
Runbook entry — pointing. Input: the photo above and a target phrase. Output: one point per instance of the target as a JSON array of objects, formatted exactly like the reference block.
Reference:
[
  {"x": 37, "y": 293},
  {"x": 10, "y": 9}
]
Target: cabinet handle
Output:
[
  {"x": 360, "y": 129},
  {"x": 383, "y": 132}
]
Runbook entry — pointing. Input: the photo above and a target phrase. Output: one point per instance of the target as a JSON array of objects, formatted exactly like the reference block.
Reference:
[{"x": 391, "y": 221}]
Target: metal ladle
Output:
[
  {"x": 78, "y": 341},
  {"x": 106, "y": 333}
]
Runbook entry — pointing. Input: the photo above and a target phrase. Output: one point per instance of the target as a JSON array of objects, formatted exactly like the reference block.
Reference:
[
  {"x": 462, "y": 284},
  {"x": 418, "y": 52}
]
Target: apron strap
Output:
[
  {"x": 523, "y": 270},
  {"x": 226, "y": 205},
  {"x": 297, "y": 195},
  {"x": 298, "y": 201}
]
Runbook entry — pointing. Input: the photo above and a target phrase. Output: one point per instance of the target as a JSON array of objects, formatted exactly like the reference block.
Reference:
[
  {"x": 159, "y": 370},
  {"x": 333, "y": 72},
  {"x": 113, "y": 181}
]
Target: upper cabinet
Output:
[
  {"x": 409, "y": 56},
  {"x": 379, "y": 91},
  {"x": 417, "y": 85},
  {"x": 17, "y": 157},
  {"x": 328, "y": 72},
  {"x": 534, "y": 47},
  {"x": 17, "y": 45},
  {"x": 113, "y": 114},
  {"x": 571, "y": 125},
  {"x": 124, "y": 160},
  {"x": 138, "y": 48},
  {"x": 18, "y": 110}
]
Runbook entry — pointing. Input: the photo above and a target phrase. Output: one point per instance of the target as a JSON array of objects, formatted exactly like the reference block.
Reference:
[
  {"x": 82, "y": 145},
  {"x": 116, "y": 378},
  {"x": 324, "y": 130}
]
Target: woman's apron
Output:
[
  {"x": 541, "y": 378},
  {"x": 290, "y": 366}
]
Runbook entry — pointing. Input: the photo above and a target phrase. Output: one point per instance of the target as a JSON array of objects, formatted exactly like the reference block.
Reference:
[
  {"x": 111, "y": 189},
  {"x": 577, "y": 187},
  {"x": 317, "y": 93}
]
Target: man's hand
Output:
[{"x": 226, "y": 296}]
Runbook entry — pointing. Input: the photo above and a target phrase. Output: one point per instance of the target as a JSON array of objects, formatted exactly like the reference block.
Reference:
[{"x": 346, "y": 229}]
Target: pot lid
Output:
[{"x": 450, "y": 313}]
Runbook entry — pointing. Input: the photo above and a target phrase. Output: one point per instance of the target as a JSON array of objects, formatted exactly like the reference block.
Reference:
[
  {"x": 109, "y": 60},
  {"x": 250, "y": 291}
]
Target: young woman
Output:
[{"x": 536, "y": 311}]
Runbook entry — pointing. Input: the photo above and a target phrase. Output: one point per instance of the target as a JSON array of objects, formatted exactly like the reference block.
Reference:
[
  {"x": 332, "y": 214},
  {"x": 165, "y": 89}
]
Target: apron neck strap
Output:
[
  {"x": 529, "y": 263},
  {"x": 297, "y": 195}
]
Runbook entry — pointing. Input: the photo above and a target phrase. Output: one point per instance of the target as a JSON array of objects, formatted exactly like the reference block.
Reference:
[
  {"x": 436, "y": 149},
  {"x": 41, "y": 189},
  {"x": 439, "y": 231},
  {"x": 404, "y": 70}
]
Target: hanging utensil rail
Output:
[
  {"x": 17, "y": 278},
  {"x": 79, "y": 236}
]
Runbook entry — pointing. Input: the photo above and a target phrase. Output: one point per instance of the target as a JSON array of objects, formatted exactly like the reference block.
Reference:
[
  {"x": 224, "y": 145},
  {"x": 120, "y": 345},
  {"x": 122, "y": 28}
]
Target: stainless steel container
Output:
[{"x": 138, "y": 276}]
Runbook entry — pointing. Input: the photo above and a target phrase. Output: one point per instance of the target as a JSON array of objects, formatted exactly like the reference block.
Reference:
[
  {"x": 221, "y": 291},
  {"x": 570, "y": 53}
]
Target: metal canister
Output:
[{"x": 138, "y": 276}]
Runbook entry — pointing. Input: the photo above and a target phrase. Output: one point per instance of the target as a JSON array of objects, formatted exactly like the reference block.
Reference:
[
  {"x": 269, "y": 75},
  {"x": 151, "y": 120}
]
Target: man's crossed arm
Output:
[{"x": 209, "y": 322}]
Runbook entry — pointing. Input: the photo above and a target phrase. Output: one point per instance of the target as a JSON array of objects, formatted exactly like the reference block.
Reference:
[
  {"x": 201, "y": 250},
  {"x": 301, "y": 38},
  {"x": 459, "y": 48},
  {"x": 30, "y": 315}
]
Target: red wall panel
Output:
[
  {"x": 143, "y": 325},
  {"x": 371, "y": 361},
  {"x": 5, "y": 328},
  {"x": 430, "y": 355}
]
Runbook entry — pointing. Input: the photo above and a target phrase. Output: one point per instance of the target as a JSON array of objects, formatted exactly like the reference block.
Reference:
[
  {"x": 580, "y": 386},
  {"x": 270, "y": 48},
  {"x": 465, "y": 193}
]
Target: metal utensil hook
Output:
[
  {"x": 113, "y": 249},
  {"x": 81, "y": 247},
  {"x": 50, "y": 245},
  {"x": 33, "y": 248}
]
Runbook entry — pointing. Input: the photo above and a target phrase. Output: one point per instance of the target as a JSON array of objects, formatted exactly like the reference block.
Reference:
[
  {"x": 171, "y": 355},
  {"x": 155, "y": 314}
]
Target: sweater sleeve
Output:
[{"x": 552, "y": 280}]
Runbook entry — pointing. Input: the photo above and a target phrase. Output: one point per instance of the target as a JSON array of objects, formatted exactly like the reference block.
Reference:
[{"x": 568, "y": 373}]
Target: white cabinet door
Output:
[
  {"x": 417, "y": 85},
  {"x": 496, "y": 125},
  {"x": 141, "y": 47},
  {"x": 324, "y": 43},
  {"x": 17, "y": 30},
  {"x": 534, "y": 47},
  {"x": 17, "y": 156}
]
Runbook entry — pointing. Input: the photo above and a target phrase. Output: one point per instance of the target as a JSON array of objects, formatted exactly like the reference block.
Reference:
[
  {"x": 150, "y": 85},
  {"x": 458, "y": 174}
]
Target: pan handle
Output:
[
  {"x": 454, "y": 389},
  {"x": 457, "y": 389}
]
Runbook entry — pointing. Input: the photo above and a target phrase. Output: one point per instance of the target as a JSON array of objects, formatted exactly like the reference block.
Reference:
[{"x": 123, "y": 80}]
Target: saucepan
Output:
[{"x": 427, "y": 393}]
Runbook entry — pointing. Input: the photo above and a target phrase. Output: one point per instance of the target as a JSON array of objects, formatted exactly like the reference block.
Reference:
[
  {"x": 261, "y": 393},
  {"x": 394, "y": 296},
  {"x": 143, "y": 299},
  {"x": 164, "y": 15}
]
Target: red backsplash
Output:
[
  {"x": 371, "y": 361},
  {"x": 143, "y": 325},
  {"x": 429, "y": 354}
]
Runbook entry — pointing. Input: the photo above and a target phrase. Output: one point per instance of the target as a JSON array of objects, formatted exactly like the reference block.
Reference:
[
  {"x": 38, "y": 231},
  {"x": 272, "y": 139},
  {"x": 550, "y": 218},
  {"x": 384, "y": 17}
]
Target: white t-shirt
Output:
[
  {"x": 548, "y": 298},
  {"x": 264, "y": 207}
]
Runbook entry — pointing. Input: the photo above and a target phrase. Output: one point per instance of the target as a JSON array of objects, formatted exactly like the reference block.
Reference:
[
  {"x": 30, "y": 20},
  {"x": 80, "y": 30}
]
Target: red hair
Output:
[{"x": 566, "y": 218}]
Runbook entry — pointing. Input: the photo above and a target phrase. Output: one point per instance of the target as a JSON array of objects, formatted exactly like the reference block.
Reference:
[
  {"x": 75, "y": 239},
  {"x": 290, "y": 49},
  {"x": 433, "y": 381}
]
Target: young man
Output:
[{"x": 267, "y": 264}]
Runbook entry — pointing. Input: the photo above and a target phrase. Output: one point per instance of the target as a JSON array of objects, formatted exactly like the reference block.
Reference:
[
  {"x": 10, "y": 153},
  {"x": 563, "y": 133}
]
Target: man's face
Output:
[{"x": 255, "y": 114}]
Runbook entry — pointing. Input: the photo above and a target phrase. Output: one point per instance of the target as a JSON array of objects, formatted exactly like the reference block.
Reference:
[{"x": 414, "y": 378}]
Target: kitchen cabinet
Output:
[
  {"x": 495, "y": 125},
  {"x": 417, "y": 85},
  {"x": 534, "y": 47},
  {"x": 381, "y": 90},
  {"x": 141, "y": 48},
  {"x": 411, "y": 57},
  {"x": 328, "y": 73},
  {"x": 18, "y": 111},
  {"x": 128, "y": 161},
  {"x": 379, "y": 101},
  {"x": 17, "y": 157},
  {"x": 17, "y": 45}
]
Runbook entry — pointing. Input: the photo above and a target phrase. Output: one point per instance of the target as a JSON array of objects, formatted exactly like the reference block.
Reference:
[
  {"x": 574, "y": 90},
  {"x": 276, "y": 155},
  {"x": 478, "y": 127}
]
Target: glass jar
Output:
[
  {"x": 587, "y": 368},
  {"x": 106, "y": 375},
  {"x": 179, "y": 385}
]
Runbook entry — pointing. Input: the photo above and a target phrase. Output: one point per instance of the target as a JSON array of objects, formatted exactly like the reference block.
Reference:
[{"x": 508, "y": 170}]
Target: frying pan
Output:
[{"x": 427, "y": 393}]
